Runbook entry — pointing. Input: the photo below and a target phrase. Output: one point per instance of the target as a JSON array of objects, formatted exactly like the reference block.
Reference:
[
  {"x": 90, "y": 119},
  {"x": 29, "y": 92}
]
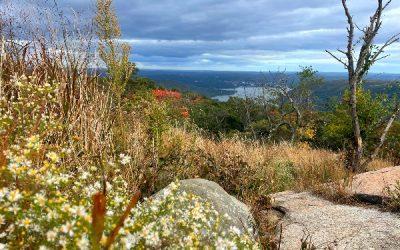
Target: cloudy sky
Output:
[{"x": 243, "y": 34}]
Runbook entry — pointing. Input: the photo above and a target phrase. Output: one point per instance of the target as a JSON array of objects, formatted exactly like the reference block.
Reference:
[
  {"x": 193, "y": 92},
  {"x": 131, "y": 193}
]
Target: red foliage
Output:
[
  {"x": 175, "y": 96},
  {"x": 185, "y": 113},
  {"x": 161, "y": 94}
]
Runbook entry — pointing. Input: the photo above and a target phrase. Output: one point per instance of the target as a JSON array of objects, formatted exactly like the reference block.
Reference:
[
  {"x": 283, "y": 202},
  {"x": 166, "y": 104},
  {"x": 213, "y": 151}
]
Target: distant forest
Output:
[{"x": 216, "y": 83}]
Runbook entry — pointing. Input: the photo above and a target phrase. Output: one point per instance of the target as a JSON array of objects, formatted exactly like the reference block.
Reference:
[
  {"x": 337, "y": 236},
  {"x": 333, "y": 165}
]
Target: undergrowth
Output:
[{"x": 393, "y": 200}]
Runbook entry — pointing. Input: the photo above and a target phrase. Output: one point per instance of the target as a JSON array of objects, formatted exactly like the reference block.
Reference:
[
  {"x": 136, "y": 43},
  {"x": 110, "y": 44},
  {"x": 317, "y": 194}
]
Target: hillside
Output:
[{"x": 97, "y": 154}]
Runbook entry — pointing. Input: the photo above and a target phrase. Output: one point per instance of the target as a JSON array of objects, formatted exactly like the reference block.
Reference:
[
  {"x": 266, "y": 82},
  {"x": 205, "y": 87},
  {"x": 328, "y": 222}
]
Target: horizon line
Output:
[{"x": 259, "y": 71}]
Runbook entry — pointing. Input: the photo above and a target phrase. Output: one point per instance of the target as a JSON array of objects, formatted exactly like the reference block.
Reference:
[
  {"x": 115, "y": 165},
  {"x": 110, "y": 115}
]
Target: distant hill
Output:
[
  {"x": 335, "y": 88},
  {"x": 224, "y": 83}
]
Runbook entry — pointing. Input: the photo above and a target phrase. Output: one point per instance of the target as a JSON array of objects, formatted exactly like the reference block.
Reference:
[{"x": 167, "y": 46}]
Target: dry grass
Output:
[
  {"x": 245, "y": 168},
  {"x": 379, "y": 164}
]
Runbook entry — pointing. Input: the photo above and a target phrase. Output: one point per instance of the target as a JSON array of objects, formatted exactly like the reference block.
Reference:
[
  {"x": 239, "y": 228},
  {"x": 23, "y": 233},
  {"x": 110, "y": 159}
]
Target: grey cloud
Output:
[{"x": 179, "y": 33}]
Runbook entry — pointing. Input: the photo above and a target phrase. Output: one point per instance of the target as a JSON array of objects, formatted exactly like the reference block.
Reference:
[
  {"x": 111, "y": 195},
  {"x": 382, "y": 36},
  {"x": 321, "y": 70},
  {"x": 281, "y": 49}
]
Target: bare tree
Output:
[
  {"x": 287, "y": 106},
  {"x": 358, "y": 67},
  {"x": 291, "y": 101}
]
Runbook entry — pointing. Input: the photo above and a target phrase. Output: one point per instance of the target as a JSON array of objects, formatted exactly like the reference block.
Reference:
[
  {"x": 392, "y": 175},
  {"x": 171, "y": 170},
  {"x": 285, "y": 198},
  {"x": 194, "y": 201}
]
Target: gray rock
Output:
[
  {"x": 371, "y": 186},
  {"x": 224, "y": 203},
  {"x": 334, "y": 226}
]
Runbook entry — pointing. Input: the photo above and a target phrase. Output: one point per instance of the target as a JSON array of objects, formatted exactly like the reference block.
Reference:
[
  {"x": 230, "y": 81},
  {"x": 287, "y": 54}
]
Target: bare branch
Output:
[
  {"x": 380, "y": 58},
  {"x": 350, "y": 37},
  {"x": 369, "y": 35},
  {"x": 387, "y": 4},
  {"x": 338, "y": 59},
  {"x": 382, "y": 139},
  {"x": 390, "y": 41}
]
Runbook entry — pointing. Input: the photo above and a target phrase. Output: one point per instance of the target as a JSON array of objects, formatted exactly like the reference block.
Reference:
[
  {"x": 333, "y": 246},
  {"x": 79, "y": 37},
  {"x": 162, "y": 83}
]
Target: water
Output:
[{"x": 245, "y": 92}]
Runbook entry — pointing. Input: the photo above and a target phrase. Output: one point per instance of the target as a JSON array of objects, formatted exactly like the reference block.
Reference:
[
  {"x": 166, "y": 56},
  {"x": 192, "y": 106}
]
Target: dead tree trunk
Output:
[
  {"x": 358, "y": 66},
  {"x": 357, "y": 142}
]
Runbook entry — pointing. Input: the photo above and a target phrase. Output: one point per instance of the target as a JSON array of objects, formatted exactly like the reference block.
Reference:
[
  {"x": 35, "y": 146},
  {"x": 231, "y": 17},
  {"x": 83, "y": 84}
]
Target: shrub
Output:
[
  {"x": 161, "y": 94},
  {"x": 393, "y": 202}
]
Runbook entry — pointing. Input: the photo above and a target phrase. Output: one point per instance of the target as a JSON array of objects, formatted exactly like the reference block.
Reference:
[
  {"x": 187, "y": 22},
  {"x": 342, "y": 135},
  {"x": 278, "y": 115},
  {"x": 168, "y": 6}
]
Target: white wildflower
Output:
[
  {"x": 53, "y": 157},
  {"x": 130, "y": 241},
  {"x": 125, "y": 159},
  {"x": 3, "y": 192},
  {"x": 14, "y": 195},
  {"x": 40, "y": 199},
  {"x": 67, "y": 229},
  {"x": 25, "y": 222},
  {"x": 83, "y": 243},
  {"x": 51, "y": 235}
]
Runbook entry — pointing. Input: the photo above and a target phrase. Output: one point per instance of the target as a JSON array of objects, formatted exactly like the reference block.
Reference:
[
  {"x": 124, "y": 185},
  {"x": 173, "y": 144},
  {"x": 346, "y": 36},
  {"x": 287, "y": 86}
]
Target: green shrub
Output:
[
  {"x": 284, "y": 175},
  {"x": 393, "y": 202}
]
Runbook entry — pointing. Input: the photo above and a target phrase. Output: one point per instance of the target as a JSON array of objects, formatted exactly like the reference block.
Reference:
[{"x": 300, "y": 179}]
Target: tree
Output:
[
  {"x": 292, "y": 103},
  {"x": 111, "y": 51},
  {"x": 335, "y": 130},
  {"x": 357, "y": 68}
]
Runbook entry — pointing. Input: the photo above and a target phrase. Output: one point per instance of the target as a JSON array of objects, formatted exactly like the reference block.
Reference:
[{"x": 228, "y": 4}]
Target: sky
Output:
[{"x": 248, "y": 35}]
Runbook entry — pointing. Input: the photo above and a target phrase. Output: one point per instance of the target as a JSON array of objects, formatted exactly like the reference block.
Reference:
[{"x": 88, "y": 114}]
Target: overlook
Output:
[{"x": 199, "y": 124}]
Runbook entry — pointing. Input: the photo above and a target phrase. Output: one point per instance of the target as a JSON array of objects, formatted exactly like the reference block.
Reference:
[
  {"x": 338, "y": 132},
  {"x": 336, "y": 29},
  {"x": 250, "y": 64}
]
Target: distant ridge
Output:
[{"x": 223, "y": 83}]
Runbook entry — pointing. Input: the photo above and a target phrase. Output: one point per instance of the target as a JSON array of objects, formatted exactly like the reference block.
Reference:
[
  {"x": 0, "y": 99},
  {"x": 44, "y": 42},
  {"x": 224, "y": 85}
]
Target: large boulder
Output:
[
  {"x": 225, "y": 204},
  {"x": 371, "y": 186},
  {"x": 333, "y": 226}
]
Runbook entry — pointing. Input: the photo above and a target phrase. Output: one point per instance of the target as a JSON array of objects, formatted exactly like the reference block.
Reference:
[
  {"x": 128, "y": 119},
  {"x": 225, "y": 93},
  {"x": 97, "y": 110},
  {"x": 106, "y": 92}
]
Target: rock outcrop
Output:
[
  {"x": 333, "y": 226},
  {"x": 370, "y": 186},
  {"x": 225, "y": 204}
]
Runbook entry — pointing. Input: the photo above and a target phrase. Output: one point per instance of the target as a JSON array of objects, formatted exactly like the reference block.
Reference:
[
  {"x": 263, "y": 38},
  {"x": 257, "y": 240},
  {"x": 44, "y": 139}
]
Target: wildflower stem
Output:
[
  {"x": 98, "y": 218},
  {"x": 122, "y": 219}
]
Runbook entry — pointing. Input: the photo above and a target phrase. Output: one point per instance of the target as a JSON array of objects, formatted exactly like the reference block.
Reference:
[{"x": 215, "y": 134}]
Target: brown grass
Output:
[{"x": 246, "y": 168}]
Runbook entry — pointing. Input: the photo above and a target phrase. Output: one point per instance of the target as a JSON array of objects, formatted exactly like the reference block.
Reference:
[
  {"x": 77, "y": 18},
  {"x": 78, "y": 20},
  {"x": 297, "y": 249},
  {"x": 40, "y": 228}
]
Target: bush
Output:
[{"x": 393, "y": 202}]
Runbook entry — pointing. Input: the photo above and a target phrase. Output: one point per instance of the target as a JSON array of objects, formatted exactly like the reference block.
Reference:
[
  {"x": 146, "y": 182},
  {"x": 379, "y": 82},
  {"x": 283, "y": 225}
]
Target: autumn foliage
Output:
[
  {"x": 161, "y": 94},
  {"x": 175, "y": 97}
]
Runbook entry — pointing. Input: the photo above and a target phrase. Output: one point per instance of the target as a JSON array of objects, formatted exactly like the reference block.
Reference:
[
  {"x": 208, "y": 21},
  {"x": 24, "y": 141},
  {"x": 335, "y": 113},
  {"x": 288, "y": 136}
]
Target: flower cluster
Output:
[
  {"x": 28, "y": 106},
  {"x": 178, "y": 219},
  {"x": 125, "y": 159}
]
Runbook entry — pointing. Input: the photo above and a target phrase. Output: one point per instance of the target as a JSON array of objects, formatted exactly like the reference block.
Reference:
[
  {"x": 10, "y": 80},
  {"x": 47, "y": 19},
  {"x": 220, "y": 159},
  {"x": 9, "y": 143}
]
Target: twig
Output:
[{"x": 121, "y": 221}]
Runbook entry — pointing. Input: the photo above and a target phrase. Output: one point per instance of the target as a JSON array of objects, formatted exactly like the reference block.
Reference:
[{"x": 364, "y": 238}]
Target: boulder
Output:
[
  {"x": 332, "y": 226},
  {"x": 225, "y": 204},
  {"x": 371, "y": 186}
]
